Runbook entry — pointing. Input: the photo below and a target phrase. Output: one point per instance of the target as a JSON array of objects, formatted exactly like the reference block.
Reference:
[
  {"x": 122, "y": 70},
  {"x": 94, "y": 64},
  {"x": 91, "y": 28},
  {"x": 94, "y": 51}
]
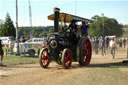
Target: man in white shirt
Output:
[
  {"x": 11, "y": 46},
  {"x": 112, "y": 45}
]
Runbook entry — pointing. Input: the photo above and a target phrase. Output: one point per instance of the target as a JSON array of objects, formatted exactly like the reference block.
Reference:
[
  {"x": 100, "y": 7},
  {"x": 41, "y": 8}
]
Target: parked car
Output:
[
  {"x": 24, "y": 49},
  {"x": 35, "y": 41},
  {"x": 28, "y": 46},
  {"x": 5, "y": 40}
]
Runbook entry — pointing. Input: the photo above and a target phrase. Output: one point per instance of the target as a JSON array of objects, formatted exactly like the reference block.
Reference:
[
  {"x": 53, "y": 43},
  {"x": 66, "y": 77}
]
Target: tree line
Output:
[
  {"x": 105, "y": 26},
  {"x": 109, "y": 25},
  {"x": 40, "y": 31}
]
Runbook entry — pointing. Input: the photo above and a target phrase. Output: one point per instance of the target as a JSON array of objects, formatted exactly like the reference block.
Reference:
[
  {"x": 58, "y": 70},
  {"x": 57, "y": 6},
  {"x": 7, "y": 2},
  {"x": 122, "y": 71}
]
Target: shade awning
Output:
[{"x": 68, "y": 18}]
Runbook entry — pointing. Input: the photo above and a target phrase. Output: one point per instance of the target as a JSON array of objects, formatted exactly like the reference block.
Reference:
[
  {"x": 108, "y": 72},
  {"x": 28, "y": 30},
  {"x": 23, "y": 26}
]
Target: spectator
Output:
[
  {"x": 112, "y": 45},
  {"x": 124, "y": 42},
  {"x": 92, "y": 43},
  {"x": 102, "y": 45},
  {"x": 120, "y": 42},
  {"x": 96, "y": 45},
  {"x": 107, "y": 42},
  {"x": 28, "y": 37},
  {"x": 11, "y": 45},
  {"x": 1, "y": 53},
  {"x": 22, "y": 39}
]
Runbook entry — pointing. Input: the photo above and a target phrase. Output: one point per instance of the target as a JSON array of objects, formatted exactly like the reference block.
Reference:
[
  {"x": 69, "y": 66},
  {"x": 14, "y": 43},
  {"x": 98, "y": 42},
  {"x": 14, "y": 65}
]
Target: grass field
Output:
[{"x": 13, "y": 60}]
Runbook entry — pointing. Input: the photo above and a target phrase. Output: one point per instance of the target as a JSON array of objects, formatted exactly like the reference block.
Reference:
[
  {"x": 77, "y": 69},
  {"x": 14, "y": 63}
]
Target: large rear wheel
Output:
[
  {"x": 85, "y": 52},
  {"x": 66, "y": 58},
  {"x": 44, "y": 58}
]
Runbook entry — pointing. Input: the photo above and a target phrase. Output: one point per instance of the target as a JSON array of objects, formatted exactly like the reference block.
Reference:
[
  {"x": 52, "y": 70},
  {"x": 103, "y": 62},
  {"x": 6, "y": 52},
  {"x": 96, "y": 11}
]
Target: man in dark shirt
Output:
[
  {"x": 84, "y": 28},
  {"x": 1, "y": 53},
  {"x": 73, "y": 27}
]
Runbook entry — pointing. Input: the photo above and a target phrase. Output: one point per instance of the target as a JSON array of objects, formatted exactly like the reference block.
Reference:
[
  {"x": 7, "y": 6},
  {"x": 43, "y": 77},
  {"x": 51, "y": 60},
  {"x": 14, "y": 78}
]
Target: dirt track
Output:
[{"x": 33, "y": 74}]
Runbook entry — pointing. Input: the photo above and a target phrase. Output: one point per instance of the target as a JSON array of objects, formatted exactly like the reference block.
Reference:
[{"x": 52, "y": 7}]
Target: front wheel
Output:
[
  {"x": 66, "y": 58},
  {"x": 44, "y": 58}
]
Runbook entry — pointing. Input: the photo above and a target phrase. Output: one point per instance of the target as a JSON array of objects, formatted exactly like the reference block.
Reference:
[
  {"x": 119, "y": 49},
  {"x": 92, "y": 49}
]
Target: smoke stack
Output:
[{"x": 56, "y": 19}]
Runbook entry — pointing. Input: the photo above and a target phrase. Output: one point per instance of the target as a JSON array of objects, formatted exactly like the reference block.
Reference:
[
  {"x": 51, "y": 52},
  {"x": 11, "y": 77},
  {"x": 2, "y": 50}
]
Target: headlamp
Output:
[{"x": 53, "y": 43}]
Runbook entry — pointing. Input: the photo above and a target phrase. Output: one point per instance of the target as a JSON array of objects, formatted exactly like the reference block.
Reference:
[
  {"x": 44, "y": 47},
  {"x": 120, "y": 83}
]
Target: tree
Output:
[
  {"x": 111, "y": 27},
  {"x": 39, "y": 31},
  {"x": 1, "y": 25},
  {"x": 8, "y": 27}
]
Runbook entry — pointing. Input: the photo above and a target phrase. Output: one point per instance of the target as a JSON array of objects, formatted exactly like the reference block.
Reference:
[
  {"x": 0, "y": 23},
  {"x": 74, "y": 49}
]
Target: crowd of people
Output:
[{"x": 102, "y": 43}]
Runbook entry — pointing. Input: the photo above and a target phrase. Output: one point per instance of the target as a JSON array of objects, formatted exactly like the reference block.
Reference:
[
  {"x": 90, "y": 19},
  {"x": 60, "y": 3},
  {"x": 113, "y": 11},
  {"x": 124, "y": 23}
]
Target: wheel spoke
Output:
[
  {"x": 68, "y": 62},
  {"x": 44, "y": 62},
  {"x": 43, "y": 57},
  {"x": 66, "y": 58},
  {"x": 84, "y": 50}
]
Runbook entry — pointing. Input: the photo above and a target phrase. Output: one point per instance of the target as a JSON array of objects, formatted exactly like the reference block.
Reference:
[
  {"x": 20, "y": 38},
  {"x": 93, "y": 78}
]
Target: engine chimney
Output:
[{"x": 56, "y": 19}]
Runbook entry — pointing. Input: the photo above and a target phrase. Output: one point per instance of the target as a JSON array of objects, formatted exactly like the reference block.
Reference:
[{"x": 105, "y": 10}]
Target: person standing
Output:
[
  {"x": 112, "y": 45},
  {"x": 1, "y": 53},
  {"x": 124, "y": 42},
  {"x": 120, "y": 42},
  {"x": 28, "y": 37},
  {"x": 10, "y": 46},
  {"x": 96, "y": 45},
  {"x": 84, "y": 28},
  {"x": 107, "y": 42},
  {"x": 102, "y": 45}
]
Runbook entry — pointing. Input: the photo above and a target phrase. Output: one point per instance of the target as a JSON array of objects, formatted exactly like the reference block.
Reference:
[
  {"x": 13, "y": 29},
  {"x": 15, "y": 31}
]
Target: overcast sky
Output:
[{"x": 42, "y": 8}]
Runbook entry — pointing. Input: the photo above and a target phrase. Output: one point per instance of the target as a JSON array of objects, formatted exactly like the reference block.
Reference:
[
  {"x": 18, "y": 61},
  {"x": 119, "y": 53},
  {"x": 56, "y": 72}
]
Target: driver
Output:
[{"x": 73, "y": 27}]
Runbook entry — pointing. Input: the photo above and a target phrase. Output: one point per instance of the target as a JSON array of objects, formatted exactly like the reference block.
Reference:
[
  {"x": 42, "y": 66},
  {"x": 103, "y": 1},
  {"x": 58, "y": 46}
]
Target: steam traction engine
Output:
[{"x": 65, "y": 46}]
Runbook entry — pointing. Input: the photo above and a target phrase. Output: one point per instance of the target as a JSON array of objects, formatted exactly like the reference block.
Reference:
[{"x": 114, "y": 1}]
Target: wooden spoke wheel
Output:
[
  {"x": 44, "y": 58},
  {"x": 66, "y": 58}
]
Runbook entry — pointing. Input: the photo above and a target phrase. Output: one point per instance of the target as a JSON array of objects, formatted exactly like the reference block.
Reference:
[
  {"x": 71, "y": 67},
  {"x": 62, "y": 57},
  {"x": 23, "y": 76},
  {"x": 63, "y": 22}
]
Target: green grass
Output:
[
  {"x": 14, "y": 60},
  {"x": 7, "y": 49}
]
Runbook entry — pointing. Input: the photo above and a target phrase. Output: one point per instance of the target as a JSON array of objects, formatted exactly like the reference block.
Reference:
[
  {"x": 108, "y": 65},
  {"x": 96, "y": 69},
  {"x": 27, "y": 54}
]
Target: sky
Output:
[{"x": 42, "y": 8}]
